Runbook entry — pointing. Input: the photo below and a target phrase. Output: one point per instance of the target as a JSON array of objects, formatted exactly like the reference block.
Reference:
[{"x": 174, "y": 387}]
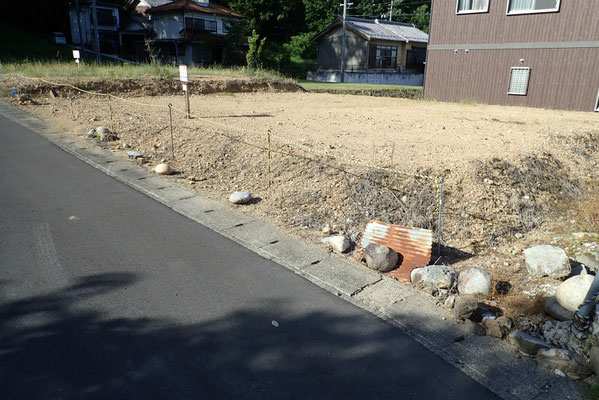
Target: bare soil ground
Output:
[{"x": 514, "y": 177}]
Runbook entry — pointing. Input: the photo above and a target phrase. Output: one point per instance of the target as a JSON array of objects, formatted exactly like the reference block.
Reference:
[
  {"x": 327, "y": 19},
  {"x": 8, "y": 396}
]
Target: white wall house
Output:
[{"x": 192, "y": 31}]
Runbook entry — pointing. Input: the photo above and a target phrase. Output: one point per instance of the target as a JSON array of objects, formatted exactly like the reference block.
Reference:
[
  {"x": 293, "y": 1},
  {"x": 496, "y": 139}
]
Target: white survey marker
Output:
[{"x": 183, "y": 73}]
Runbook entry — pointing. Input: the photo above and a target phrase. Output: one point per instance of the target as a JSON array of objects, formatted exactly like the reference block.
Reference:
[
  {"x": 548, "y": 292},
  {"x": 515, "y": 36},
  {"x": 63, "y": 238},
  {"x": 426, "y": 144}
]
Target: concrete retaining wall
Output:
[{"x": 369, "y": 77}]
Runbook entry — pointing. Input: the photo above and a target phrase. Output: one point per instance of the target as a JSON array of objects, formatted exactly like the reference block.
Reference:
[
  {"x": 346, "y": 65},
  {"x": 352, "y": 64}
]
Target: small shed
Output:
[{"x": 393, "y": 51}]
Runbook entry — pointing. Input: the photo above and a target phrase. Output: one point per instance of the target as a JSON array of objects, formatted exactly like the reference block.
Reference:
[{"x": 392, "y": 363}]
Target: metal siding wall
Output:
[
  {"x": 577, "y": 20},
  {"x": 559, "y": 78}
]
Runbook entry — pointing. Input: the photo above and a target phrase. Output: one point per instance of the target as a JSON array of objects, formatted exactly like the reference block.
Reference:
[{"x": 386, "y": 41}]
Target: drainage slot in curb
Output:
[
  {"x": 124, "y": 169},
  {"x": 143, "y": 177},
  {"x": 109, "y": 161},
  {"x": 208, "y": 211},
  {"x": 237, "y": 226},
  {"x": 187, "y": 197},
  {"x": 274, "y": 241},
  {"x": 314, "y": 262},
  {"x": 82, "y": 148},
  {"x": 160, "y": 188}
]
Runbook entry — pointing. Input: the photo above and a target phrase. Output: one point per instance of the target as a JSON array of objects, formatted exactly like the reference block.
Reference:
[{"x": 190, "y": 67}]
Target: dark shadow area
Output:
[
  {"x": 60, "y": 346},
  {"x": 449, "y": 255},
  {"x": 254, "y": 200}
]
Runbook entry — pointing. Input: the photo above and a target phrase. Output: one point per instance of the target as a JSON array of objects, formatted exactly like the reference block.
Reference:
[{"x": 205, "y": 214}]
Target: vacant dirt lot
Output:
[{"x": 512, "y": 175}]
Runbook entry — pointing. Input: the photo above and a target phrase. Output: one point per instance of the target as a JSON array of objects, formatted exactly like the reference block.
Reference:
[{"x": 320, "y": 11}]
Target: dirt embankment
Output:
[
  {"x": 513, "y": 176},
  {"x": 149, "y": 86}
]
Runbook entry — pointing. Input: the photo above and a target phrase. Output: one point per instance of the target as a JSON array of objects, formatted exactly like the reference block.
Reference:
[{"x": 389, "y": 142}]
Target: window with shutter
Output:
[{"x": 519, "y": 77}]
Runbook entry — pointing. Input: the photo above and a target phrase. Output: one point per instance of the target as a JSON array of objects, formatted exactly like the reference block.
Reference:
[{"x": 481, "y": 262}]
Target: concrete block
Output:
[
  {"x": 422, "y": 316},
  {"x": 255, "y": 233},
  {"x": 385, "y": 292},
  {"x": 294, "y": 253},
  {"x": 494, "y": 363},
  {"x": 342, "y": 275}
]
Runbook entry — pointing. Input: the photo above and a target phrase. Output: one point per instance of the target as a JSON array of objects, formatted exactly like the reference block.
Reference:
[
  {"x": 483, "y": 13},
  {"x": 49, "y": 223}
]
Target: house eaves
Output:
[
  {"x": 378, "y": 30},
  {"x": 190, "y": 5}
]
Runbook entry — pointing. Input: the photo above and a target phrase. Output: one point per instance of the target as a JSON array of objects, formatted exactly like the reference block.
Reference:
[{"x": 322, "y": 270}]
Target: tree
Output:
[{"x": 255, "y": 51}]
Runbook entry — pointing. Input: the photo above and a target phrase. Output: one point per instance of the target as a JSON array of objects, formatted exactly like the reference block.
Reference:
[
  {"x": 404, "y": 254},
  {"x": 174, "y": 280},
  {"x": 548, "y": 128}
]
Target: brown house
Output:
[{"x": 534, "y": 53}]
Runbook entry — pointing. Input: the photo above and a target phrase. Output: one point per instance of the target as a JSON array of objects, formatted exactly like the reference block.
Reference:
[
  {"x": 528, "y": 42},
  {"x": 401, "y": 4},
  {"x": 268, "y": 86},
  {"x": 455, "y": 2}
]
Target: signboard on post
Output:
[
  {"x": 183, "y": 73},
  {"x": 77, "y": 56},
  {"x": 184, "y": 79}
]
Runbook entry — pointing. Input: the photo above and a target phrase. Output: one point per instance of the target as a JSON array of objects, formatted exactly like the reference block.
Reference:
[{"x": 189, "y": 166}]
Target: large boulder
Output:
[
  {"x": 588, "y": 261},
  {"x": 555, "y": 310},
  {"x": 163, "y": 169},
  {"x": 338, "y": 243},
  {"x": 433, "y": 276},
  {"x": 527, "y": 343},
  {"x": 546, "y": 260},
  {"x": 571, "y": 292},
  {"x": 241, "y": 197},
  {"x": 380, "y": 258},
  {"x": 474, "y": 280}
]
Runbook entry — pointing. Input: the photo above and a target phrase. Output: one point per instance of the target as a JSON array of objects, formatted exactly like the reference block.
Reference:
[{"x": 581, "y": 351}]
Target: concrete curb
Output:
[{"x": 488, "y": 361}]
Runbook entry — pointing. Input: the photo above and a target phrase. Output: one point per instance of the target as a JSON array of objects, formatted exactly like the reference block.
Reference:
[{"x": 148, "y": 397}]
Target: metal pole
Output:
[
  {"x": 170, "y": 116},
  {"x": 391, "y": 12},
  {"x": 269, "y": 162},
  {"x": 440, "y": 220},
  {"x": 187, "y": 102},
  {"x": 343, "y": 42},
  {"x": 110, "y": 114},
  {"x": 96, "y": 34}
]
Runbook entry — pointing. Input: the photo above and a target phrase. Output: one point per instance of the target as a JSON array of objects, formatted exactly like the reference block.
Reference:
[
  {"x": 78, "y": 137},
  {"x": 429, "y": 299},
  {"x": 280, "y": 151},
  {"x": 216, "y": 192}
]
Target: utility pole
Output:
[
  {"x": 391, "y": 12},
  {"x": 96, "y": 34},
  {"x": 343, "y": 41}
]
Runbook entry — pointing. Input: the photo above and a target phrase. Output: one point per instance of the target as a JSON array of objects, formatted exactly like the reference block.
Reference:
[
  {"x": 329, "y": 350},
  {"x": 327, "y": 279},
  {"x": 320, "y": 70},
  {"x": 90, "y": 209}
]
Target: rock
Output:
[
  {"x": 380, "y": 258},
  {"x": 588, "y": 261},
  {"x": 450, "y": 301},
  {"x": 472, "y": 328},
  {"x": 555, "y": 310},
  {"x": 326, "y": 230},
  {"x": 163, "y": 169},
  {"x": 102, "y": 129},
  {"x": 498, "y": 327},
  {"x": 464, "y": 306},
  {"x": 108, "y": 137},
  {"x": 573, "y": 365},
  {"x": 241, "y": 197},
  {"x": 338, "y": 243},
  {"x": 134, "y": 154},
  {"x": 141, "y": 160},
  {"x": 527, "y": 343},
  {"x": 434, "y": 276},
  {"x": 91, "y": 133},
  {"x": 474, "y": 280},
  {"x": 594, "y": 359},
  {"x": 571, "y": 293},
  {"x": 546, "y": 260},
  {"x": 559, "y": 334}
]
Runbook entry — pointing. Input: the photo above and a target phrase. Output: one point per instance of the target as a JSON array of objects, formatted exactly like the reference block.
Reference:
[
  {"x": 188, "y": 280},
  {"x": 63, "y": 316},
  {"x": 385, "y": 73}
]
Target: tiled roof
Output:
[
  {"x": 381, "y": 30},
  {"x": 191, "y": 5}
]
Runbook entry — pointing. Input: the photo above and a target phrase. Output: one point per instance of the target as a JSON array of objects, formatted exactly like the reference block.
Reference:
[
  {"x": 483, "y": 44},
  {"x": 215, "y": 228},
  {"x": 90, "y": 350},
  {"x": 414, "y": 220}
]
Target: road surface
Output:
[{"x": 108, "y": 294}]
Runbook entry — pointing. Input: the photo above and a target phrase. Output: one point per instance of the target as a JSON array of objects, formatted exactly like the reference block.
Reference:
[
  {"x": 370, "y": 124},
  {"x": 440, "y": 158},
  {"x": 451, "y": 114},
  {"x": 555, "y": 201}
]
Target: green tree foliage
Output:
[{"x": 254, "y": 53}]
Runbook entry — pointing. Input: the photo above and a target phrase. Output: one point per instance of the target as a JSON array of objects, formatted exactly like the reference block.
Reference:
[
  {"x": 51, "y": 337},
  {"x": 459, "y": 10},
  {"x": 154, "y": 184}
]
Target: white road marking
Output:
[{"x": 49, "y": 262}]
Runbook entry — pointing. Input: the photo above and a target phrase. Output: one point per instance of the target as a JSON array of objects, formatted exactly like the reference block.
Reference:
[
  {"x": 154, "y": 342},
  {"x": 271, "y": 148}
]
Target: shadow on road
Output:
[{"x": 58, "y": 346}]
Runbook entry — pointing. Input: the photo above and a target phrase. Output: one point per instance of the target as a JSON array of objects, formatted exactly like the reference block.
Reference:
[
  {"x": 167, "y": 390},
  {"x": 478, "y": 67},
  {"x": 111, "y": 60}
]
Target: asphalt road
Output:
[{"x": 108, "y": 294}]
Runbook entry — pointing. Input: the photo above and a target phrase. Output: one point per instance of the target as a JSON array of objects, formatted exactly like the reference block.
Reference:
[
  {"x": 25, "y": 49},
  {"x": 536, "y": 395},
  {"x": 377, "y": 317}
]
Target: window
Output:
[
  {"x": 200, "y": 24},
  {"x": 105, "y": 17},
  {"x": 472, "y": 6},
  {"x": 597, "y": 103},
  {"x": 519, "y": 81},
  {"x": 382, "y": 56},
  {"x": 532, "y": 6}
]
